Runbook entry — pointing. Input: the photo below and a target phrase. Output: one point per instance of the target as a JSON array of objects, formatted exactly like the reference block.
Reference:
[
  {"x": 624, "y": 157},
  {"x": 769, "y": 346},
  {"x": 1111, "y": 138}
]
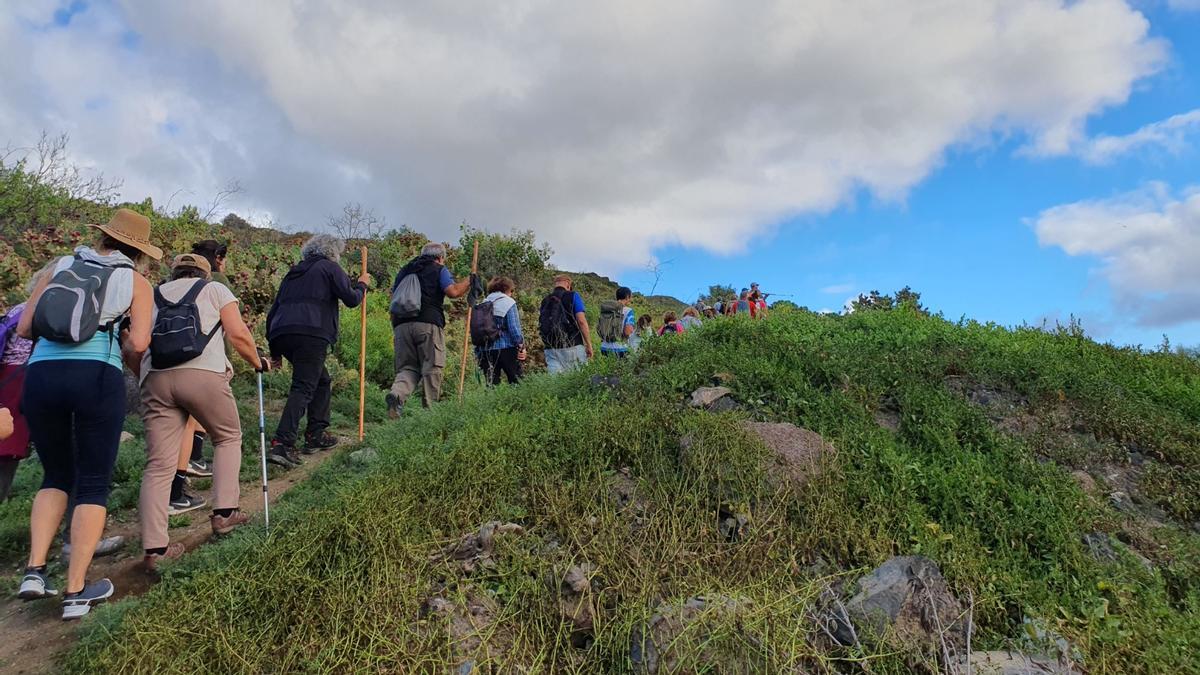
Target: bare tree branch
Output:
[
  {"x": 233, "y": 187},
  {"x": 357, "y": 222}
]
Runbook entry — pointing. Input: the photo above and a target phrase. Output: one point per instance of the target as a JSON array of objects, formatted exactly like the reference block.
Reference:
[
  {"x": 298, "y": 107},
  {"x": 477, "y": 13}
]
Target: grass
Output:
[{"x": 342, "y": 581}]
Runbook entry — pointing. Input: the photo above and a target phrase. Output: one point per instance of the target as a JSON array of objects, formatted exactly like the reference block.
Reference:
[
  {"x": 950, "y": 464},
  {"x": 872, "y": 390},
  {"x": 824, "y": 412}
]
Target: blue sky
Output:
[{"x": 1015, "y": 161}]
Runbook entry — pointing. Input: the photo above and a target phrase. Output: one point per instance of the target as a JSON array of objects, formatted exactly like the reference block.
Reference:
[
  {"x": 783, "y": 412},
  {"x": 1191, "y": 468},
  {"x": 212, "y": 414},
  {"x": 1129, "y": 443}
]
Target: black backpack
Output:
[
  {"x": 177, "y": 337},
  {"x": 484, "y": 330},
  {"x": 556, "y": 320},
  {"x": 69, "y": 309}
]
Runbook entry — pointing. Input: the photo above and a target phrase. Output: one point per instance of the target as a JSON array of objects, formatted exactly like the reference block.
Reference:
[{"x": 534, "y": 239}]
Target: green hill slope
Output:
[{"x": 602, "y": 504}]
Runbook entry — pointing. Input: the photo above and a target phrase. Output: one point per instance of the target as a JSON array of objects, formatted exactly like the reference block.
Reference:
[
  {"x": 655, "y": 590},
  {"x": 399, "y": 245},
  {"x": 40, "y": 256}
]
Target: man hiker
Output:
[
  {"x": 301, "y": 327},
  {"x": 564, "y": 328},
  {"x": 419, "y": 337},
  {"x": 617, "y": 322}
]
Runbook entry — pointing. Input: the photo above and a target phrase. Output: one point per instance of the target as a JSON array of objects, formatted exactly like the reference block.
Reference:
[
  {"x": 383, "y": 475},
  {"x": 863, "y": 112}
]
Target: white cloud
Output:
[
  {"x": 1149, "y": 245},
  {"x": 838, "y": 289},
  {"x": 1170, "y": 134},
  {"x": 610, "y": 128}
]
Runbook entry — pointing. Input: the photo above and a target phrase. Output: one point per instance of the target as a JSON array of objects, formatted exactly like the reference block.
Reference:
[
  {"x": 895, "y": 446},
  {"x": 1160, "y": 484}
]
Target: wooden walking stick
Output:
[
  {"x": 462, "y": 369},
  {"x": 362, "y": 359}
]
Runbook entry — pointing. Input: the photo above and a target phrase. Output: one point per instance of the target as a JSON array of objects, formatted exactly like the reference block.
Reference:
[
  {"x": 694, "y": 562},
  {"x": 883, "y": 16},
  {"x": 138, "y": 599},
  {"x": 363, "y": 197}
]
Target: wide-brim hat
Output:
[
  {"x": 193, "y": 260},
  {"x": 133, "y": 229}
]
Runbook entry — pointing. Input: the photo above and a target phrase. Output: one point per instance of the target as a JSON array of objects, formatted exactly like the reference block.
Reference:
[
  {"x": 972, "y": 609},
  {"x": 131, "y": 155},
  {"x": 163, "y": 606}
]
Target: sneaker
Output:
[
  {"x": 77, "y": 605},
  {"x": 226, "y": 524},
  {"x": 283, "y": 455},
  {"x": 198, "y": 468},
  {"x": 394, "y": 406},
  {"x": 321, "y": 441},
  {"x": 184, "y": 503},
  {"x": 174, "y": 552},
  {"x": 35, "y": 586},
  {"x": 106, "y": 546}
]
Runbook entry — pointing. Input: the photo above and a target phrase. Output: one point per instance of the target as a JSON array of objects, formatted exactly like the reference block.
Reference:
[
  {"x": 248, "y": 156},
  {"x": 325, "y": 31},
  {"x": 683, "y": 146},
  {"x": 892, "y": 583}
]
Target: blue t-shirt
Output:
[
  {"x": 445, "y": 279},
  {"x": 578, "y": 302}
]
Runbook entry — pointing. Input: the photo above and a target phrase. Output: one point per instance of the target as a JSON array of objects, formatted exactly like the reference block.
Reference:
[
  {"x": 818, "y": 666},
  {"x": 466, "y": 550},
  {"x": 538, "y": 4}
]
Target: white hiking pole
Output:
[{"x": 262, "y": 440}]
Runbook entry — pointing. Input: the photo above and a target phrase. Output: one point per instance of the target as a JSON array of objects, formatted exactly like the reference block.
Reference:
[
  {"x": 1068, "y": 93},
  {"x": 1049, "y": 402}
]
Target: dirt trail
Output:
[{"x": 34, "y": 634}]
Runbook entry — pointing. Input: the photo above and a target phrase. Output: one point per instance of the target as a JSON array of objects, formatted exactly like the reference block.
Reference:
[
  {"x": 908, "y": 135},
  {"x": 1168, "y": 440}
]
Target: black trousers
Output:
[
  {"x": 310, "y": 393},
  {"x": 494, "y": 362}
]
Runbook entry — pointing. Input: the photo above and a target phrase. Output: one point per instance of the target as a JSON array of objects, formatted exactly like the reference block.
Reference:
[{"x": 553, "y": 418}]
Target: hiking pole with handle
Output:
[
  {"x": 462, "y": 370},
  {"x": 262, "y": 440},
  {"x": 362, "y": 358}
]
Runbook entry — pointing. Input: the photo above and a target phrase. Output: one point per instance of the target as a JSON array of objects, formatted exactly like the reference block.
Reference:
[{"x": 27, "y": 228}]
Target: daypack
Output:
[
  {"x": 177, "y": 336},
  {"x": 612, "y": 321},
  {"x": 556, "y": 320},
  {"x": 8, "y": 326},
  {"x": 671, "y": 328},
  {"x": 69, "y": 309},
  {"x": 406, "y": 299},
  {"x": 483, "y": 325}
]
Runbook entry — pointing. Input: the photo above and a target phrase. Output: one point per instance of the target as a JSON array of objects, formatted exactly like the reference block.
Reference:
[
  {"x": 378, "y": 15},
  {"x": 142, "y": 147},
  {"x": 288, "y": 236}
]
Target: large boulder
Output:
[
  {"x": 679, "y": 638},
  {"x": 798, "y": 452},
  {"x": 907, "y": 602}
]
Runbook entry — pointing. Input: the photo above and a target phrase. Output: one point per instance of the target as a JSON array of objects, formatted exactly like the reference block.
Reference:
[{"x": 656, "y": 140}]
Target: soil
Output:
[{"x": 35, "y": 636}]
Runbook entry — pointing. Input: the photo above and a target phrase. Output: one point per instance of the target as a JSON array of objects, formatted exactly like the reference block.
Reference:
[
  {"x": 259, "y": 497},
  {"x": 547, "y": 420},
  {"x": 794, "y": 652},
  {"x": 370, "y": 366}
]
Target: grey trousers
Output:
[{"x": 420, "y": 359}]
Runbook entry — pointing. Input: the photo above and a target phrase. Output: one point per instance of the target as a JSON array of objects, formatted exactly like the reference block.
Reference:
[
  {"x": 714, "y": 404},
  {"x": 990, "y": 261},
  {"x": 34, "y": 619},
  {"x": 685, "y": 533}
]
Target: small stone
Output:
[
  {"x": 1085, "y": 481},
  {"x": 706, "y": 396},
  {"x": 1100, "y": 547},
  {"x": 907, "y": 598},
  {"x": 126, "y": 437},
  {"x": 364, "y": 456},
  {"x": 1005, "y": 662}
]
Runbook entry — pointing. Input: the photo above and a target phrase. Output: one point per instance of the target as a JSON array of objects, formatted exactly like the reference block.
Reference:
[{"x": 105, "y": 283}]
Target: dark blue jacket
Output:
[{"x": 307, "y": 302}]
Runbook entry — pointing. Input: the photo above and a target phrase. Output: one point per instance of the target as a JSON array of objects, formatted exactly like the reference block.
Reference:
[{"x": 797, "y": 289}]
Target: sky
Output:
[{"x": 1015, "y": 161}]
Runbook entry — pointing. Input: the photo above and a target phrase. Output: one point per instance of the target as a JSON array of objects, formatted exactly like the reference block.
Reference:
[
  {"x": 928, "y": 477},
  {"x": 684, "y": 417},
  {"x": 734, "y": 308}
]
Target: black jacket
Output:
[
  {"x": 307, "y": 302},
  {"x": 429, "y": 272}
]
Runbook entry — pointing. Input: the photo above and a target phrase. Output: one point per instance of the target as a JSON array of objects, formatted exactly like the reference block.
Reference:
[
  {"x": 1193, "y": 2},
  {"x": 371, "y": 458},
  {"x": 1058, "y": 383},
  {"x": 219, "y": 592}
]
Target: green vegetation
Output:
[{"x": 987, "y": 422}]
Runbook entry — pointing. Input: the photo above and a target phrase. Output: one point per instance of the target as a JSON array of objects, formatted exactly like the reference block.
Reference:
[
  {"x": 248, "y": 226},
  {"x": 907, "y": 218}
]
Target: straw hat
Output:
[
  {"x": 133, "y": 229},
  {"x": 193, "y": 260}
]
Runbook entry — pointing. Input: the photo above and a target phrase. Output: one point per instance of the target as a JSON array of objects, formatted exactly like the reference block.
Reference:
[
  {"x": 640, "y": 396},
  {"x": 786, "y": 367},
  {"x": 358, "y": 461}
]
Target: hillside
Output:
[{"x": 597, "y": 522}]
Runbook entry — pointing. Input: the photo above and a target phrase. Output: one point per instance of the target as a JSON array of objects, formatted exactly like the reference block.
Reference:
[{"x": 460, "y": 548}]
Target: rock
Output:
[
  {"x": 705, "y": 397},
  {"x": 1099, "y": 546},
  {"x": 133, "y": 395},
  {"x": 474, "y": 550},
  {"x": 1011, "y": 663},
  {"x": 606, "y": 381},
  {"x": 798, "y": 452},
  {"x": 693, "y": 625},
  {"x": 470, "y": 621},
  {"x": 364, "y": 456},
  {"x": 724, "y": 404},
  {"x": 907, "y": 600},
  {"x": 733, "y": 526},
  {"x": 126, "y": 437},
  {"x": 576, "y": 603},
  {"x": 888, "y": 419}
]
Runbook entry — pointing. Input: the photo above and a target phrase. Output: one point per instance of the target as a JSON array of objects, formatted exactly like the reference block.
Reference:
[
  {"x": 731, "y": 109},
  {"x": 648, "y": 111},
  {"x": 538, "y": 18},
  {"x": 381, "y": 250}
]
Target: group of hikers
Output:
[{"x": 91, "y": 314}]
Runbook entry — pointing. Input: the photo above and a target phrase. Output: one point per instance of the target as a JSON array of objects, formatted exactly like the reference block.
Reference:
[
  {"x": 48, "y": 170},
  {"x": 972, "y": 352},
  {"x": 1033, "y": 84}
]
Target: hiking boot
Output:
[
  {"x": 77, "y": 605},
  {"x": 35, "y": 586},
  {"x": 283, "y": 455},
  {"x": 226, "y": 524},
  {"x": 106, "y": 546},
  {"x": 321, "y": 441},
  {"x": 198, "y": 468},
  {"x": 150, "y": 560},
  {"x": 395, "y": 406},
  {"x": 185, "y": 502}
]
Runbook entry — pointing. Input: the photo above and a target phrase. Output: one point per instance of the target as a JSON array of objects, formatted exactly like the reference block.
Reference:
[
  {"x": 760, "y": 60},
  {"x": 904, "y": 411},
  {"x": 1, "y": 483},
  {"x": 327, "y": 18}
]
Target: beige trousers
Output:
[
  {"x": 420, "y": 359},
  {"x": 168, "y": 398}
]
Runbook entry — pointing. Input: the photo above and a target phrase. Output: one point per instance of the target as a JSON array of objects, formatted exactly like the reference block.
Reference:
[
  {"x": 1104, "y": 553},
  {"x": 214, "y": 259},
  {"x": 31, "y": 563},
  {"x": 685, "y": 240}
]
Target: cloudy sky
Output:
[{"x": 1014, "y": 160}]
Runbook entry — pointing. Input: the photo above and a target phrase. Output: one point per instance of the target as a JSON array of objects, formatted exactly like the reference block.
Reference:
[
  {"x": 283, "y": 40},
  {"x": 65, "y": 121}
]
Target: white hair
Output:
[
  {"x": 324, "y": 245},
  {"x": 434, "y": 249}
]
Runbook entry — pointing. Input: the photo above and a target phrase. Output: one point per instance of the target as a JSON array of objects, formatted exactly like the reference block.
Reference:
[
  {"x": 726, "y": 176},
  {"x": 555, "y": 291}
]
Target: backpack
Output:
[
  {"x": 612, "y": 321},
  {"x": 177, "y": 337},
  {"x": 671, "y": 328},
  {"x": 556, "y": 320},
  {"x": 406, "y": 299},
  {"x": 69, "y": 309},
  {"x": 483, "y": 325}
]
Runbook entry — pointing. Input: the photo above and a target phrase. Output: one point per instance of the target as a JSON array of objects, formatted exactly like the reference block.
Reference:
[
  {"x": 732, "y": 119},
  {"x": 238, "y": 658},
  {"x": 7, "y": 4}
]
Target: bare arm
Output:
[
  {"x": 239, "y": 335},
  {"x": 6, "y": 423},
  {"x": 458, "y": 288},
  {"x": 581, "y": 319},
  {"x": 141, "y": 316}
]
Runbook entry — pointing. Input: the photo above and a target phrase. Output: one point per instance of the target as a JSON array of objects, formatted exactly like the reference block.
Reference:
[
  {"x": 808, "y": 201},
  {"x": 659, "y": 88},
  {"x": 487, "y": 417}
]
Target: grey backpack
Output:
[
  {"x": 69, "y": 309},
  {"x": 406, "y": 299}
]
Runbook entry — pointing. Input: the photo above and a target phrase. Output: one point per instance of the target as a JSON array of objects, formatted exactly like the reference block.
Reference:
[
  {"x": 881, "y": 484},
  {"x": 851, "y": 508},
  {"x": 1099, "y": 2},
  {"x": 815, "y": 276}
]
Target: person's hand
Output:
[
  {"x": 366, "y": 280},
  {"x": 588, "y": 350},
  {"x": 6, "y": 423},
  {"x": 521, "y": 353},
  {"x": 264, "y": 362}
]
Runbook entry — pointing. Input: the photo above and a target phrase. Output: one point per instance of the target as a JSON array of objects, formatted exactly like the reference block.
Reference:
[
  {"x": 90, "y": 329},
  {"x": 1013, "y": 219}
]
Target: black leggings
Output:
[
  {"x": 75, "y": 410},
  {"x": 493, "y": 362}
]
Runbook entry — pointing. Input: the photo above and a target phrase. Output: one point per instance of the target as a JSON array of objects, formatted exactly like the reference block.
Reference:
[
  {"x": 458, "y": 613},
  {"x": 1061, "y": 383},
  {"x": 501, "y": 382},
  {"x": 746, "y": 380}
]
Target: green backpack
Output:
[{"x": 612, "y": 321}]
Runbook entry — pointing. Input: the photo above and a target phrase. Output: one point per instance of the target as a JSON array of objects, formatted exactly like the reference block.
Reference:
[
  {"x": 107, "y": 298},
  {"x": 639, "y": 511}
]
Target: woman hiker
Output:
[
  {"x": 174, "y": 392},
  {"x": 301, "y": 327},
  {"x": 74, "y": 398},
  {"x": 504, "y": 355}
]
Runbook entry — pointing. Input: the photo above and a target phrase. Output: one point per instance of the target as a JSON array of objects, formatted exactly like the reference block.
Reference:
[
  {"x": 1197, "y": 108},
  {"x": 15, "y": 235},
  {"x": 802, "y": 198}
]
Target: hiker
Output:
[
  {"x": 186, "y": 374},
  {"x": 502, "y": 349},
  {"x": 710, "y": 313},
  {"x": 616, "y": 325},
  {"x": 14, "y": 353},
  {"x": 671, "y": 325},
  {"x": 418, "y": 326},
  {"x": 643, "y": 330},
  {"x": 691, "y": 319},
  {"x": 758, "y": 302},
  {"x": 74, "y": 398},
  {"x": 564, "y": 328},
  {"x": 302, "y": 325},
  {"x": 743, "y": 304}
]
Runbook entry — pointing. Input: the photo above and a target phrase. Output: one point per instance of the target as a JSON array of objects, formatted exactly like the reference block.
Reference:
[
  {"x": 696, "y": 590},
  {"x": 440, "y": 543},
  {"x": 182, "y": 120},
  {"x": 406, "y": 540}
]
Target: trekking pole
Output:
[
  {"x": 362, "y": 358},
  {"x": 462, "y": 369},
  {"x": 262, "y": 443}
]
